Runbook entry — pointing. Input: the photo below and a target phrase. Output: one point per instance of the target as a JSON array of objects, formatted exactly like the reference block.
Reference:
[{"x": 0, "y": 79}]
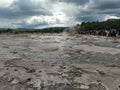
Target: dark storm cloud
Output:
[
  {"x": 30, "y": 7},
  {"x": 106, "y": 4},
  {"x": 79, "y": 2},
  {"x": 75, "y": 10},
  {"x": 24, "y": 25},
  {"x": 110, "y": 7},
  {"x": 22, "y": 9},
  {"x": 89, "y": 18},
  {"x": 97, "y": 10}
]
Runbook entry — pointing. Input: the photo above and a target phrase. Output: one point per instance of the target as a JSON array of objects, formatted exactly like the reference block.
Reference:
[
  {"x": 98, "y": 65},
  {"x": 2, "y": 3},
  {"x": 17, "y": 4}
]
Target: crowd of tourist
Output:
[{"x": 111, "y": 33}]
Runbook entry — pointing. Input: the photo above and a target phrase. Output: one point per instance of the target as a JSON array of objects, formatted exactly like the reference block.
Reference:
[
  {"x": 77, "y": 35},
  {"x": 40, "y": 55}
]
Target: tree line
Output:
[
  {"x": 84, "y": 26},
  {"x": 105, "y": 25},
  {"x": 26, "y": 30}
]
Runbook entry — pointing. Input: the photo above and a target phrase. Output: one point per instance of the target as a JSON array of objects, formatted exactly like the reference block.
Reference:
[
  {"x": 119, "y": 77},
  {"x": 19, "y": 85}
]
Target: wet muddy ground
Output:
[{"x": 59, "y": 62}]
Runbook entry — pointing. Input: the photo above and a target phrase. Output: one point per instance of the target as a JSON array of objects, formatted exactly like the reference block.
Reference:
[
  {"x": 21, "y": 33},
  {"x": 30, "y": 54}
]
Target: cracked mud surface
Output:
[{"x": 59, "y": 62}]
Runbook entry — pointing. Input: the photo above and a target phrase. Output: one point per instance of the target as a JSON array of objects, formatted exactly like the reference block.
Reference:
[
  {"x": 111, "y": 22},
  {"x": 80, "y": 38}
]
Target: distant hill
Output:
[
  {"x": 109, "y": 24},
  {"x": 27, "y": 30}
]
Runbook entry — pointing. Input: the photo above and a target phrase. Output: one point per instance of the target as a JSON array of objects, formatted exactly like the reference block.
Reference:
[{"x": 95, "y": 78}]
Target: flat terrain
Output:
[{"x": 59, "y": 62}]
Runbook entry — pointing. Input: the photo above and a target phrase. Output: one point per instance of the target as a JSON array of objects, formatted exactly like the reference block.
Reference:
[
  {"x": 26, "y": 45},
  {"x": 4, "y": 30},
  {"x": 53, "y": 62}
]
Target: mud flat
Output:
[{"x": 59, "y": 62}]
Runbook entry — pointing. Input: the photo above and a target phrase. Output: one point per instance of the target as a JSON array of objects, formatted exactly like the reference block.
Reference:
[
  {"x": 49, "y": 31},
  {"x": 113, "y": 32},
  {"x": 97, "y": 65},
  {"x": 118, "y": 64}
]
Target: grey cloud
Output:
[
  {"x": 106, "y": 4},
  {"x": 22, "y": 9},
  {"x": 78, "y": 2},
  {"x": 89, "y": 18},
  {"x": 111, "y": 7},
  {"x": 24, "y": 25},
  {"x": 29, "y": 7},
  {"x": 98, "y": 9},
  {"x": 75, "y": 10}
]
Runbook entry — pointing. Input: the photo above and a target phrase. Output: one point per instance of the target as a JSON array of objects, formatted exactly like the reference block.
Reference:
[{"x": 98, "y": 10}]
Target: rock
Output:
[
  {"x": 101, "y": 72},
  {"x": 64, "y": 75},
  {"x": 22, "y": 82},
  {"x": 14, "y": 81},
  {"x": 95, "y": 86},
  {"x": 38, "y": 84},
  {"x": 42, "y": 61},
  {"x": 5, "y": 46},
  {"x": 15, "y": 70},
  {"x": 40, "y": 71},
  {"x": 29, "y": 79},
  {"x": 7, "y": 68},
  {"x": 14, "y": 52},
  {"x": 119, "y": 86},
  {"x": 31, "y": 71},
  {"x": 84, "y": 87}
]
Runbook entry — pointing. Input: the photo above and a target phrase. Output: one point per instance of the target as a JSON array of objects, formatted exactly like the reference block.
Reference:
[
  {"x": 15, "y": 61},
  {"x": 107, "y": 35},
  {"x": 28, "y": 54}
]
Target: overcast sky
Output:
[{"x": 47, "y": 13}]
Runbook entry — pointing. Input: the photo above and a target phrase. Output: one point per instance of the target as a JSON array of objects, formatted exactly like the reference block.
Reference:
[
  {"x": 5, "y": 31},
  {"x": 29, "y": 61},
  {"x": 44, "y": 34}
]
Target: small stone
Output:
[
  {"x": 14, "y": 52},
  {"x": 7, "y": 68},
  {"x": 15, "y": 70},
  {"x": 29, "y": 79},
  {"x": 14, "y": 81},
  {"x": 52, "y": 65},
  {"x": 5, "y": 46},
  {"x": 31, "y": 71},
  {"x": 101, "y": 73},
  {"x": 40, "y": 71},
  {"x": 84, "y": 87},
  {"x": 37, "y": 84},
  {"x": 42, "y": 61},
  {"x": 64, "y": 75}
]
